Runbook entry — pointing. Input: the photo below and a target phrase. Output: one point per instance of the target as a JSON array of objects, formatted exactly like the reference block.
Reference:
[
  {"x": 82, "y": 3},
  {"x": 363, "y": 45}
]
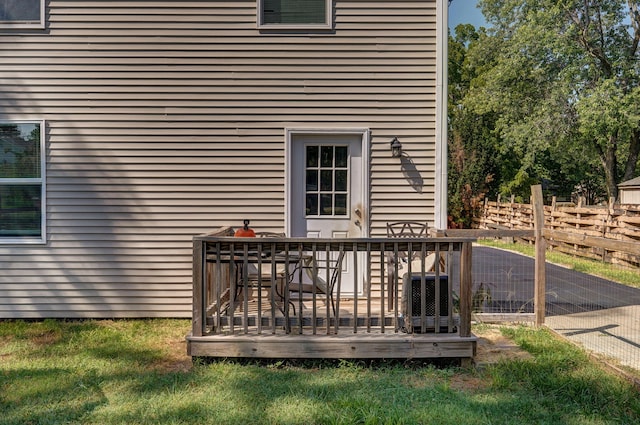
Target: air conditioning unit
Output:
[{"x": 411, "y": 305}]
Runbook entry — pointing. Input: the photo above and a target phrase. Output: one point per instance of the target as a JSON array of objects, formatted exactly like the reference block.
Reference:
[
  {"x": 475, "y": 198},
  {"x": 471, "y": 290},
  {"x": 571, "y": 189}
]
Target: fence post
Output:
[
  {"x": 540, "y": 276},
  {"x": 465, "y": 288}
]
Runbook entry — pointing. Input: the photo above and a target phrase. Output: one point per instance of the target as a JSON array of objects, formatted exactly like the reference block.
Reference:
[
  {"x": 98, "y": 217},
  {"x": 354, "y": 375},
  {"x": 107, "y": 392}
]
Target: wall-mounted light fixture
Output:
[{"x": 396, "y": 148}]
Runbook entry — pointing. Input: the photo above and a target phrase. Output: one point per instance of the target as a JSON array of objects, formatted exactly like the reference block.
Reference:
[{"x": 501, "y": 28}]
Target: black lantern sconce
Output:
[{"x": 396, "y": 148}]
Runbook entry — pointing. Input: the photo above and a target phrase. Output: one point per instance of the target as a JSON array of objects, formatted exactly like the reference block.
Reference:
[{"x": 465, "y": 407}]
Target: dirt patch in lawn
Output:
[
  {"x": 176, "y": 359},
  {"x": 494, "y": 347}
]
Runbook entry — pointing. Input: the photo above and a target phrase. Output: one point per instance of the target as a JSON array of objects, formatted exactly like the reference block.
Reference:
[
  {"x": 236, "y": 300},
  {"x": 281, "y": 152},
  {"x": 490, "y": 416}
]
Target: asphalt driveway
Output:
[{"x": 601, "y": 315}]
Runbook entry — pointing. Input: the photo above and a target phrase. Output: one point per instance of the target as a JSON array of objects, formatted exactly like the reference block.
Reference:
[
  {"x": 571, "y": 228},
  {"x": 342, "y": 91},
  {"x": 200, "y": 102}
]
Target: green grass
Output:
[
  {"x": 608, "y": 271},
  {"x": 137, "y": 372}
]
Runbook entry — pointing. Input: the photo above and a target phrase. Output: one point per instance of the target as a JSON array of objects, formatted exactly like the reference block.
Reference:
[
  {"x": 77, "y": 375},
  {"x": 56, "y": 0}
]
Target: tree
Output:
[
  {"x": 563, "y": 80},
  {"x": 472, "y": 146}
]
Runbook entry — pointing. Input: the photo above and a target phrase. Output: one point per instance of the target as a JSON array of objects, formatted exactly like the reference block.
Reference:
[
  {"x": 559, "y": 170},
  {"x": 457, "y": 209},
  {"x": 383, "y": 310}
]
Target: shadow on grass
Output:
[
  {"x": 48, "y": 395},
  {"x": 96, "y": 374}
]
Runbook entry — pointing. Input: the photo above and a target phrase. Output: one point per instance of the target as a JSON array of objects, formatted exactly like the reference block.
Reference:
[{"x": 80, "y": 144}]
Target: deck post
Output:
[
  {"x": 540, "y": 268},
  {"x": 199, "y": 277},
  {"x": 465, "y": 289}
]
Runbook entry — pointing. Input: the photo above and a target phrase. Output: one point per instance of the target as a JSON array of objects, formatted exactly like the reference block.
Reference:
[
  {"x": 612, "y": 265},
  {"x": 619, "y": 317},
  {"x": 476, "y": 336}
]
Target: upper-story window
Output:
[
  {"x": 295, "y": 14},
  {"x": 22, "y": 182},
  {"x": 22, "y": 13}
]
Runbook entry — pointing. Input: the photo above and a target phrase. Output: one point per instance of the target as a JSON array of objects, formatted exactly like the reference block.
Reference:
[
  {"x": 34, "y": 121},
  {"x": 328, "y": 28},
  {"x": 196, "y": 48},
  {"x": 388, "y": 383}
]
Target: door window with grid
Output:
[{"x": 326, "y": 180}]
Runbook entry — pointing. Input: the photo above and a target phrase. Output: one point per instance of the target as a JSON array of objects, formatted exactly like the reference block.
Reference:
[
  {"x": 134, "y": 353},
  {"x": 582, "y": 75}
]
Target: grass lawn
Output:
[{"x": 137, "y": 372}]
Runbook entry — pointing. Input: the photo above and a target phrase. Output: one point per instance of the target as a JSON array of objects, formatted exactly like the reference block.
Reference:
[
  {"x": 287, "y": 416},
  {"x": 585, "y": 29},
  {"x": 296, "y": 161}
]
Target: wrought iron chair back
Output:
[{"x": 407, "y": 229}]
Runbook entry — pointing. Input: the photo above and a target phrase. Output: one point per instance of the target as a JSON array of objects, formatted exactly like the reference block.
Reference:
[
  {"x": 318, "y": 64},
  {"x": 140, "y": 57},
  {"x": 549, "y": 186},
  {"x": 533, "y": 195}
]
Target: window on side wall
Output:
[
  {"x": 295, "y": 14},
  {"x": 22, "y": 182},
  {"x": 22, "y": 14}
]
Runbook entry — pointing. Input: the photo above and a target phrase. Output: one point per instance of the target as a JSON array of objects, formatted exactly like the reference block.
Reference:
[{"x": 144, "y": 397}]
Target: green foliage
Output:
[
  {"x": 561, "y": 81},
  {"x": 473, "y": 147}
]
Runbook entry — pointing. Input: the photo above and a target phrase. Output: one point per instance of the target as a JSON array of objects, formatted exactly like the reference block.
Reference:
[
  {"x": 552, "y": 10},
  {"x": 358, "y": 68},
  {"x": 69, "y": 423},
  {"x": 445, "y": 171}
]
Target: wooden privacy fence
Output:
[{"x": 608, "y": 233}]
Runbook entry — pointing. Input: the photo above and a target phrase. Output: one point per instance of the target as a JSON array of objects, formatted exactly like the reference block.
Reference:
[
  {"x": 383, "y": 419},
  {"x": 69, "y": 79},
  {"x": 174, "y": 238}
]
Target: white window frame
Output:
[
  {"x": 26, "y": 24},
  {"x": 42, "y": 239},
  {"x": 327, "y": 25}
]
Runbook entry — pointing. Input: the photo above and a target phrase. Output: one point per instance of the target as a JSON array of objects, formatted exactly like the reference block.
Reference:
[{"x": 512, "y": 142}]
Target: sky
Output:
[{"x": 465, "y": 12}]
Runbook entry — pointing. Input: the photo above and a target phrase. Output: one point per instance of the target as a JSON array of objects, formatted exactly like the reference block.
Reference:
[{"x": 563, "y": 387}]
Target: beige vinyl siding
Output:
[
  {"x": 166, "y": 120},
  {"x": 630, "y": 195}
]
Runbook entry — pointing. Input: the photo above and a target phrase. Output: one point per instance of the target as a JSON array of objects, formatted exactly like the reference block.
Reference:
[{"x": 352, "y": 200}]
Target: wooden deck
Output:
[
  {"x": 234, "y": 317},
  {"x": 345, "y": 346},
  {"x": 322, "y": 337}
]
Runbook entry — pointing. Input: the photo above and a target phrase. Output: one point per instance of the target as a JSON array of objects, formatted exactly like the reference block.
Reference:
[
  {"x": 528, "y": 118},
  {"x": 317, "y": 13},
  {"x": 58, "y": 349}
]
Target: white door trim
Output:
[{"x": 366, "y": 190}]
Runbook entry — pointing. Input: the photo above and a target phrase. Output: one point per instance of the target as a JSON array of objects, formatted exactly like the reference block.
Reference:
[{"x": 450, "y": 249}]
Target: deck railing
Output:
[{"x": 253, "y": 285}]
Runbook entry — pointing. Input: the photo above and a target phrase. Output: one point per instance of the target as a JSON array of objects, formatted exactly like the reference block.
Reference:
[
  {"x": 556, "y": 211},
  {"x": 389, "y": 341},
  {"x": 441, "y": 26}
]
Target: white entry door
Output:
[{"x": 326, "y": 196}]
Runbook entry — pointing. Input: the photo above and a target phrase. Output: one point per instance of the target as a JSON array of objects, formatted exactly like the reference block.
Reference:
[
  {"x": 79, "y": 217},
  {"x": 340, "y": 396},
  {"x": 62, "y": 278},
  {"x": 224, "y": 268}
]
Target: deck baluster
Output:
[{"x": 229, "y": 303}]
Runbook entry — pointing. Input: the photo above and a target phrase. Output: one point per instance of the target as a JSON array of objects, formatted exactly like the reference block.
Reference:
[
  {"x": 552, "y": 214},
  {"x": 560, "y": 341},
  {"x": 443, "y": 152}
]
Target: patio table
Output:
[{"x": 248, "y": 273}]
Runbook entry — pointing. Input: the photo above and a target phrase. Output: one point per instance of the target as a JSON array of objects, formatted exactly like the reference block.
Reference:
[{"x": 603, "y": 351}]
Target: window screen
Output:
[
  {"x": 294, "y": 12},
  {"x": 21, "y": 13}
]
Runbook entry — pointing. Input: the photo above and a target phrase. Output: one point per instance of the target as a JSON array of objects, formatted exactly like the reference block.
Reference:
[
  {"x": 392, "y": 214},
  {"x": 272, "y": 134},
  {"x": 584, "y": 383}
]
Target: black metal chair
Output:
[
  {"x": 315, "y": 274},
  {"x": 401, "y": 261},
  {"x": 407, "y": 229}
]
